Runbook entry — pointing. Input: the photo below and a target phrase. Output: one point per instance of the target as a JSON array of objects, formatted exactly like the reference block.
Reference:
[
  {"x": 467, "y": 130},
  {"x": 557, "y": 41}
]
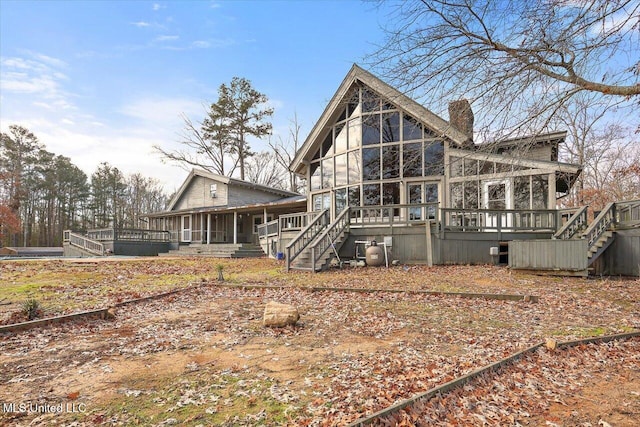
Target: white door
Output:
[
  {"x": 496, "y": 195},
  {"x": 186, "y": 228}
]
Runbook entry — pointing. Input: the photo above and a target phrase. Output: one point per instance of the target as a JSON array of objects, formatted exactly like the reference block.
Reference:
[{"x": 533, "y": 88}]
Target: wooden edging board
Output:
[
  {"x": 459, "y": 382},
  {"x": 17, "y": 327}
]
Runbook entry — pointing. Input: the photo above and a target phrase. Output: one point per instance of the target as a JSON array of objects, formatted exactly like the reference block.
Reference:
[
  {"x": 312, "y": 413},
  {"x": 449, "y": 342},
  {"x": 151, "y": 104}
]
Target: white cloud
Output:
[
  {"x": 166, "y": 38},
  {"x": 158, "y": 6},
  {"x": 141, "y": 24},
  {"x": 201, "y": 44}
]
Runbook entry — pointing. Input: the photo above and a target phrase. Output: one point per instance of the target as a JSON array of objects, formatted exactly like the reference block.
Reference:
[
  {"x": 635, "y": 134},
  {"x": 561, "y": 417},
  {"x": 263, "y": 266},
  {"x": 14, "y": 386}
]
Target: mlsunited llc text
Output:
[{"x": 44, "y": 408}]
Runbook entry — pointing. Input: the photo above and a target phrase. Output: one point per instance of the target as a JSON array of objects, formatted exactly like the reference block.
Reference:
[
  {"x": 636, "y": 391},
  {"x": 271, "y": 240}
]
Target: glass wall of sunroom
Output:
[{"x": 373, "y": 154}]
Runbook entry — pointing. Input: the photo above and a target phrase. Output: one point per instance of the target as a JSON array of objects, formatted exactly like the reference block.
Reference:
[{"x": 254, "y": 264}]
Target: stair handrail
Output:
[
  {"x": 305, "y": 237},
  {"x": 628, "y": 211},
  {"x": 600, "y": 224},
  {"x": 323, "y": 242},
  {"x": 576, "y": 222},
  {"x": 82, "y": 242}
]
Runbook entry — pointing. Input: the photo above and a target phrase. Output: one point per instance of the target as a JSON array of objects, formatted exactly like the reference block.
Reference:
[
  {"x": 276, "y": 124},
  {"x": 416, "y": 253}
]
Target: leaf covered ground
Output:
[{"x": 202, "y": 357}]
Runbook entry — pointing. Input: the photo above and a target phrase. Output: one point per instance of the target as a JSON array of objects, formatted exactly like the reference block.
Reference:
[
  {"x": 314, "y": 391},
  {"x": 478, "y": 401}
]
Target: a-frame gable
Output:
[{"x": 386, "y": 92}]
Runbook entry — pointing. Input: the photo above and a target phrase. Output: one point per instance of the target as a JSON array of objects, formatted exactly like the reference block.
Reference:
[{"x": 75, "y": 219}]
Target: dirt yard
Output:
[{"x": 202, "y": 357}]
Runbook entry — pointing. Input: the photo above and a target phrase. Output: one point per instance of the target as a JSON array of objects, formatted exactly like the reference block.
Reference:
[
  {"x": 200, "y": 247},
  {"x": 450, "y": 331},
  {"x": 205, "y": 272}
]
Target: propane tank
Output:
[{"x": 374, "y": 254}]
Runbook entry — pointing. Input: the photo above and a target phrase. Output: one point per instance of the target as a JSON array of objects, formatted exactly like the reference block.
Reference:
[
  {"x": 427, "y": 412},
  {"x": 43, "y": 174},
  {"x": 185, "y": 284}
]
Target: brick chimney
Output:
[{"x": 461, "y": 117}]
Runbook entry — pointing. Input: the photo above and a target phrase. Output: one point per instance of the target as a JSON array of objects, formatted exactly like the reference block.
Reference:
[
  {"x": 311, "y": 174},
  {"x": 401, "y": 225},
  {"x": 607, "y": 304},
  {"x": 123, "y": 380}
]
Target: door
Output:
[
  {"x": 422, "y": 192},
  {"x": 496, "y": 195},
  {"x": 186, "y": 228}
]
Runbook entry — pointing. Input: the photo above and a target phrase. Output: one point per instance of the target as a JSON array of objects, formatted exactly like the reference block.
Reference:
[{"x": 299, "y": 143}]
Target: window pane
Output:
[
  {"x": 370, "y": 101},
  {"x": 353, "y": 104},
  {"x": 391, "y": 193},
  {"x": 341, "y": 200},
  {"x": 391, "y": 162},
  {"x": 486, "y": 167},
  {"x": 412, "y": 159},
  {"x": 341, "y": 138},
  {"x": 326, "y": 200},
  {"x": 354, "y": 167},
  {"x": 355, "y": 130},
  {"x": 390, "y": 127},
  {"x": 431, "y": 196},
  {"x": 496, "y": 196},
  {"x": 315, "y": 176},
  {"x": 434, "y": 159},
  {"x": 470, "y": 167},
  {"x": 471, "y": 195},
  {"x": 341, "y": 169},
  {"x": 411, "y": 128},
  {"x": 317, "y": 202},
  {"x": 371, "y": 163},
  {"x": 455, "y": 168},
  {"x": 354, "y": 196},
  {"x": 539, "y": 191},
  {"x": 456, "y": 195},
  {"x": 503, "y": 167},
  {"x": 371, "y": 130},
  {"x": 371, "y": 194},
  {"x": 327, "y": 173},
  {"x": 327, "y": 145},
  {"x": 521, "y": 192}
]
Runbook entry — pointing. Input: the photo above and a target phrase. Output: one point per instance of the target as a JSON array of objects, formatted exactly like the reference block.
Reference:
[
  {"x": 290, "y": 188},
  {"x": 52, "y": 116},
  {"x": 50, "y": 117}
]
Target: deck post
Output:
[
  {"x": 429, "y": 244},
  {"x": 235, "y": 227},
  {"x": 208, "y": 228}
]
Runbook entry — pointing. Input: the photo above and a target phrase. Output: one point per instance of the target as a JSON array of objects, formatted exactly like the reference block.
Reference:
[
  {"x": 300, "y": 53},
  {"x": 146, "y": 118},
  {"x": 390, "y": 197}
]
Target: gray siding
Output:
[
  {"x": 198, "y": 194},
  {"x": 623, "y": 256},
  {"x": 562, "y": 255}
]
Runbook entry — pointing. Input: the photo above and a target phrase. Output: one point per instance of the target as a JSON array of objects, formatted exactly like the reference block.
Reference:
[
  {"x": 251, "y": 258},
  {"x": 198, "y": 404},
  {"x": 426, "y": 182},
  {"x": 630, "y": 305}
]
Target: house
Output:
[
  {"x": 380, "y": 166},
  {"x": 209, "y": 215},
  {"x": 216, "y": 214}
]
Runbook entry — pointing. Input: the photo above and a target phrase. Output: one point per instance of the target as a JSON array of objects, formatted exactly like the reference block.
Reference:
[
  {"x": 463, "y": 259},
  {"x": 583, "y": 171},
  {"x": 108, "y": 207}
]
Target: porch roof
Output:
[{"x": 297, "y": 201}]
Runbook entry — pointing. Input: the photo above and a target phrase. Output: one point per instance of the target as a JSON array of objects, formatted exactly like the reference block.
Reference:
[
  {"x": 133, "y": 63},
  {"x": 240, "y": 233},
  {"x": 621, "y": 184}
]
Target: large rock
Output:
[{"x": 279, "y": 315}]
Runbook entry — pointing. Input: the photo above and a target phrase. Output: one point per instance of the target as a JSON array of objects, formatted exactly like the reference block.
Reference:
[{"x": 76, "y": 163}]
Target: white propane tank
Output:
[{"x": 374, "y": 254}]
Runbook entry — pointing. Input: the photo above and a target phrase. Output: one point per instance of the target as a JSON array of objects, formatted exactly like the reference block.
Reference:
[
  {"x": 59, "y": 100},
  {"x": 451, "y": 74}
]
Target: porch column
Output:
[
  {"x": 235, "y": 227},
  {"x": 264, "y": 213},
  {"x": 552, "y": 191},
  {"x": 208, "y": 228}
]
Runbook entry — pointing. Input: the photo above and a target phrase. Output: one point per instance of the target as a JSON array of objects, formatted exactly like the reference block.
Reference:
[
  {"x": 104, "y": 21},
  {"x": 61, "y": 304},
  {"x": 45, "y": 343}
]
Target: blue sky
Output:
[{"x": 105, "y": 81}]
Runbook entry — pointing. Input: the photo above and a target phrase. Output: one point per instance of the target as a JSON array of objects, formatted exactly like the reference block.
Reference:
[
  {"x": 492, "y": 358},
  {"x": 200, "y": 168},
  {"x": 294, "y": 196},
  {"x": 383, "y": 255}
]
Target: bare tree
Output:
[
  {"x": 206, "y": 147},
  {"x": 285, "y": 151},
  {"x": 517, "y": 61},
  {"x": 263, "y": 168}
]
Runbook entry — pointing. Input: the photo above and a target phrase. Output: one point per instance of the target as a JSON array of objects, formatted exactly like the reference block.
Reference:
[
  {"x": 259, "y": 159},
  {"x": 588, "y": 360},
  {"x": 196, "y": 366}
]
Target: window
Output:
[
  {"x": 521, "y": 192},
  {"x": 371, "y": 194},
  {"x": 471, "y": 200},
  {"x": 213, "y": 190},
  {"x": 539, "y": 191},
  {"x": 315, "y": 183},
  {"x": 391, "y": 193},
  {"x": 355, "y": 130},
  {"x": 391, "y": 162},
  {"x": 341, "y": 200},
  {"x": 340, "y": 138},
  {"x": 434, "y": 159},
  {"x": 370, "y": 164},
  {"x": 456, "y": 166},
  {"x": 341, "y": 169},
  {"x": 411, "y": 128},
  {"x": 496, "y": 196},
  {"x": 371, "y": 130},
  {"x": 354, "y": 196},
  {"x": 327, "y": 173},
  {"x": 370, "y": 101},
  {"x": 390, "y": 127},
  {"x": 354, "y": 167},
  {"x": 412, "y": 159}
]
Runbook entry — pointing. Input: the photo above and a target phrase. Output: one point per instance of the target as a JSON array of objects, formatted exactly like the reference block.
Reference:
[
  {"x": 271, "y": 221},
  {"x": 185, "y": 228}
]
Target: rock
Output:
[
  {"x": 279, "y": 315},
  {"x": 551, "y": 344}
]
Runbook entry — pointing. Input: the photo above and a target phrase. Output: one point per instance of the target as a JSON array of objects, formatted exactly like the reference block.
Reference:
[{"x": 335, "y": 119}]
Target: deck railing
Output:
[
  {"x": 499, "y": 220},
  {"x": 600, "y": 224},
  {"x": 306, "y": 236},
  {"x": 364, "y": 216},
  {"x": 628, "y": 212},
  {"x": 128, "y": 234},
  {"x": 296, "y": 221},
  {"x": 92, "y": 246},
  {"x": 268, "y": 230},
  {"x": 328, "y": 237},
  {"x": 575, "y": 224}
]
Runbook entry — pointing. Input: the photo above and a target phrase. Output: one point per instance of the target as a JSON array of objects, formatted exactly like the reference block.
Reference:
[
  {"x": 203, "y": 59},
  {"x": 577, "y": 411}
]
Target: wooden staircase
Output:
[
  {"x": 314, "y": 247},
  {"x": 218, "y": 250}
]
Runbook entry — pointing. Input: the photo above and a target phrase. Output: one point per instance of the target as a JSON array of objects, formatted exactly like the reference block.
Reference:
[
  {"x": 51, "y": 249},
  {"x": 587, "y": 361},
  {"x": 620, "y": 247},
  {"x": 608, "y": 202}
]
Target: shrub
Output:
[{"x": 31, "y": 308}]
